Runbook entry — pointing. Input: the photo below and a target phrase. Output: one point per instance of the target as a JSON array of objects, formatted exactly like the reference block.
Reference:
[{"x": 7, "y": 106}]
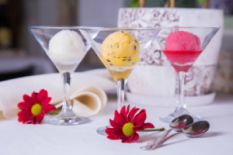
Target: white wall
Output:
[{"x": 98, "y": 12}]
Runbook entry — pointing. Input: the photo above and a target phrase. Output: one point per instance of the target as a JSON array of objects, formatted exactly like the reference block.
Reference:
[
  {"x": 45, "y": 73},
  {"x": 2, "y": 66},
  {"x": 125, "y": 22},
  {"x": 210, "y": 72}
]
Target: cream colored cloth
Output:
[
  {"x": 91, "y": 84},
  {"x": 88, "y": 102}
]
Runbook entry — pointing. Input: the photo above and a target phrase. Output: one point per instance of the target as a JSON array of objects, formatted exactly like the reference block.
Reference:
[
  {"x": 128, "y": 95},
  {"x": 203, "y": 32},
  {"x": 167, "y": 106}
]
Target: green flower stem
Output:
[{"x": 151, "y": 130}]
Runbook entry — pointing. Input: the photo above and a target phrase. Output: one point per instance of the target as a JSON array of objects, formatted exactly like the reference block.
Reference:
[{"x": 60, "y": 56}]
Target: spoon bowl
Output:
[
  {"x": 197, "y": 129},
  {"x": 181, "y": 122}
]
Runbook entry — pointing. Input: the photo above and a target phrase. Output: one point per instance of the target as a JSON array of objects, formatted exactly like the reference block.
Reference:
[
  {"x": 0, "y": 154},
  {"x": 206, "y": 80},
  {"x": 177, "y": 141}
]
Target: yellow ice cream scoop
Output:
[{"x": 120, "y": 49}]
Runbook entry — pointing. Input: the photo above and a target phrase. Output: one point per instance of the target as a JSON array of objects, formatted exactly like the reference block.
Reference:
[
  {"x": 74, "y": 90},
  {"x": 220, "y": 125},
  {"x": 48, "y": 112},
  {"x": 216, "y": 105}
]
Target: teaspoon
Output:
[{"x": 182, "y": 124}]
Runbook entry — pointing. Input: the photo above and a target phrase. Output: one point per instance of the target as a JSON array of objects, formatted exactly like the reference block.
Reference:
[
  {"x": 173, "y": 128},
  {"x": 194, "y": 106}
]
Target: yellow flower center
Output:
[
  {"x": 36, "y": 109},
  {"x": 128, "y": 129}
]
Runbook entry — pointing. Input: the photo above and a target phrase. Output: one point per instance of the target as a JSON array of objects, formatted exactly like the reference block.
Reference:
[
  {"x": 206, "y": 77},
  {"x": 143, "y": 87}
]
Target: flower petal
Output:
[
  {"x": 145, "y": 126},
  {"x": 48, "y": 108},
  {"x": 148, "y": 125},
  {"x": 42, "y": 95},
  {"x": 123, "y": 113},
  {"x": 118, "y": 118},
  {"x": 27, "y": 98},
  {"x": 24, "y": 106},
  {"x": 140, "y": 118},
  {"x": 46, "y": 101},
  {"x": 34, "y": 97},
  {"x": 132, "y": 113},
  {"x": 114, "y": 124},
  {"x": 113, "y": 137},
  {"x": 131, "y": 139},
  {"x": 39, "y": 118},
  {"x": 127, "y": 110},
  {"x": 25, "y": 117},
  {"x": 114, "y": 133}
]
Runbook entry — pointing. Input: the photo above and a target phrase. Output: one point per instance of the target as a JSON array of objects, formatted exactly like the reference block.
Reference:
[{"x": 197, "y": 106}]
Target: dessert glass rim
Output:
[{"x": 121, "y": 28}]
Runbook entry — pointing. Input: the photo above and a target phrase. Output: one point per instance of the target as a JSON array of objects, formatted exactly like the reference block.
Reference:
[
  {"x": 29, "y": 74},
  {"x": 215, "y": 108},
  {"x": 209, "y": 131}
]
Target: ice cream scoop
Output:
[
  {"x": 120, "y": 49},
  {"x": 182, "y": 41},
  {"x": 66, "y": 47}
]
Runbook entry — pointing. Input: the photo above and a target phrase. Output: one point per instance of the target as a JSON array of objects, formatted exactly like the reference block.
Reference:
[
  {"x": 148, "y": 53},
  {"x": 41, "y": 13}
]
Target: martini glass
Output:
[
  {"x": 66, "y": 47},
  {"x": 182, "y": 46},
  {"x": 119, "y": 49}
]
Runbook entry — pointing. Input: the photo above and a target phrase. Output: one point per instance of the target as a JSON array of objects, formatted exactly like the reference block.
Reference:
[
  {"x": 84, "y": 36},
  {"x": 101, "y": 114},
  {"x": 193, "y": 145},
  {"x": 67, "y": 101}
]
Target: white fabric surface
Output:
[
  {"x": 16, "y": 138},
  {"x": 59, "y": 140}
]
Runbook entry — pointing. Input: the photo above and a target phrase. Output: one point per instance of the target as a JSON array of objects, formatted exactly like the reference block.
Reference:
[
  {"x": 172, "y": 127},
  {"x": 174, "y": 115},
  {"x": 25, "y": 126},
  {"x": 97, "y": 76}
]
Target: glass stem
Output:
[
  {"x": 181, "y": 77},
  {"x": 66, "y": 105},
  {"x": 121, "y": 88}
]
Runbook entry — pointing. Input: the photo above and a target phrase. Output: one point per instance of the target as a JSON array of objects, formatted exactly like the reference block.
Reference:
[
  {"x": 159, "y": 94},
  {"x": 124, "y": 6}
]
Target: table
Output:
[{"x": 16, "y": 138}]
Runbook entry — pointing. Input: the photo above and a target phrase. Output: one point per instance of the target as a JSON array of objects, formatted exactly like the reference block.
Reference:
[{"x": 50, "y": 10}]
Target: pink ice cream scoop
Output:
[{"x": 182, "y": 41}]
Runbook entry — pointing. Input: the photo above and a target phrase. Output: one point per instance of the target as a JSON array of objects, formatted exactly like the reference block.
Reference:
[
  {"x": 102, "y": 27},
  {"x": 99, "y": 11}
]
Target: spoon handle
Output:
[
  {"x": 169, "y": 137},
  {"x": 156, "y": 142}
]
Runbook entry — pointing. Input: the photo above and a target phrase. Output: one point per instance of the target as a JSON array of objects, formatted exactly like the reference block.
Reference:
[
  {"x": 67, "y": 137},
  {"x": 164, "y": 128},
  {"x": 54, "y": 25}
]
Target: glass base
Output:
[
  {"x": 66, "y": 119},
  {"x": 178, "y": 112},
  {"x": 101, "y": 131}
]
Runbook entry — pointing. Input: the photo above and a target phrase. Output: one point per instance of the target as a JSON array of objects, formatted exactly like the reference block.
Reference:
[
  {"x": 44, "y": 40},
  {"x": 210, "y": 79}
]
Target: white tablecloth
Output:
[{"x": 16, "y": 138}]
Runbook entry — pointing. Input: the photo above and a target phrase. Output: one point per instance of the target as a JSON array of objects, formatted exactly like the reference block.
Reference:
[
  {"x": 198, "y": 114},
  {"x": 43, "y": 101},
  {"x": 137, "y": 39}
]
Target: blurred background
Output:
[{"x": 21, "y": 55}]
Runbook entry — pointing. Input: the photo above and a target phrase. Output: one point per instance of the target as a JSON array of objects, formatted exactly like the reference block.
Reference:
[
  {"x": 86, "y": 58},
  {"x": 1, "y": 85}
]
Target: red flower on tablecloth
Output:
[
  {"x": 34, "y": 107},
  {"x": 126, "y": 123}
]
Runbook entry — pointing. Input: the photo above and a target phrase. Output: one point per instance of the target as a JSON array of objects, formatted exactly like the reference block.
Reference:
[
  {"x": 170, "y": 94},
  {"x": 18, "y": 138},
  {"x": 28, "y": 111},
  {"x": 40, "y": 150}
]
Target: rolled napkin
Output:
[{"x": 88, "y": 101}]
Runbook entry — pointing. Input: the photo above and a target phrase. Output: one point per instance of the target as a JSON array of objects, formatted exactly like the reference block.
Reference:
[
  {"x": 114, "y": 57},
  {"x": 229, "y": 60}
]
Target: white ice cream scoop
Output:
[{"x": 66, "y": 47}]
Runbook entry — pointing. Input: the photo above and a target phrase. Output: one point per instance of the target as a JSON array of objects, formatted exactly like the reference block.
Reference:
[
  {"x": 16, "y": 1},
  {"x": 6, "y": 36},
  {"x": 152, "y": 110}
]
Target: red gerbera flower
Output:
[
  {"x": 34, "y": 107},
  {"x": 126, "y": 123}
]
